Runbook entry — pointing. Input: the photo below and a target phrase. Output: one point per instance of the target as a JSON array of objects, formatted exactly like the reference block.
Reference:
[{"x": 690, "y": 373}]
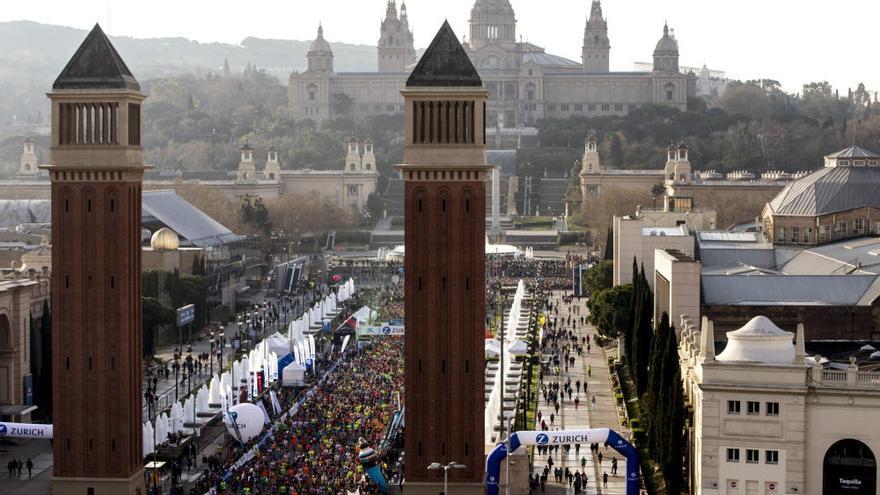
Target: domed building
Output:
[
  {"x": 164, "y": 239},
  {"x": 765, "y": 417},
  {"x": 839, "y": 201},
  {"x": 524, "y": 81}
]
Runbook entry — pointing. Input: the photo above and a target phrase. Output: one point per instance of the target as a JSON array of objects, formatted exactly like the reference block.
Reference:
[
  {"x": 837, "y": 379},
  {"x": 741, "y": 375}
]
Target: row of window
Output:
[
  {"x": 591, "y": 107},
  {"x": 860, "y": 163},
  {"x": 753, "y": 408},
  {"x": 753, "y": 456},
  {"x": 860, "y": 226}
]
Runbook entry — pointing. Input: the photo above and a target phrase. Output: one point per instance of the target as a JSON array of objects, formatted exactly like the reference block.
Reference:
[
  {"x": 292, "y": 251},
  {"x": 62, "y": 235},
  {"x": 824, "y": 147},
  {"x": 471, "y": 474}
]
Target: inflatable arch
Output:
[{"x": 596, "y": 435}]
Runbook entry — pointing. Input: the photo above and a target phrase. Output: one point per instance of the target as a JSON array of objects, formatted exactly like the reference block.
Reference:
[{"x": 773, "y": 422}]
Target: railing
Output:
[
  {"x": 834, "y": 376},
  {"x": 868, "y": 378}
]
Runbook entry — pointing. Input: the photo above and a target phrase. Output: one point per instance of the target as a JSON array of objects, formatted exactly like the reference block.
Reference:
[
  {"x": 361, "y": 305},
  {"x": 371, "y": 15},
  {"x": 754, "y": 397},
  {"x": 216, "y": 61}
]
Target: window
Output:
[
  {"x": 772, "y": 409},
  {"x": 606, "y": 107},
  {"x": 732, "y": 455},
  {"x": 565, "y": 107},
  {"x": 823, "y": 233},
  {"x": 771, "y": 457},
  {"x": 668, "y": 95},
  {"x": 844, "y": 162},
  {"x": 313, "y": 91},
  {"x": 780, "y": 234},
  {"x": 389, "y": 108},
  {"x": 631, "y": 107},
  {"x": 840, "y": 229},
  {"x": 551, "y": 107},
  {"x": 753, "y": 407},
  {"x": 733, "y": 407},
  {"x": 808, "y": 234},
  {"x": 530, "y": 90},
  {"x": 753, "y": 456},
  {"x": 858, "y": 226},
  {"x": 591, "y": 107},
  {"x": 876, "y": 227},
  {"x": 618, "y": 108},
  {"x": 578, "y": 107},
  {"x": 795, "y": 234}
]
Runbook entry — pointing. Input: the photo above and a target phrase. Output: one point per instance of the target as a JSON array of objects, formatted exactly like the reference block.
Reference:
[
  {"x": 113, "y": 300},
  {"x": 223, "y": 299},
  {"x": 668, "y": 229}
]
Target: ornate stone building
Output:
[
  {"x": 525, "y": 83},
  {"x": 839, "y": 201}
]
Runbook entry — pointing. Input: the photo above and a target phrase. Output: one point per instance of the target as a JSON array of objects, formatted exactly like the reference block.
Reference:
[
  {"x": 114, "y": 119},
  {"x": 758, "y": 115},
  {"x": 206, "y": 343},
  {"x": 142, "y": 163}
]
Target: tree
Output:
[
  {"x": 341, "y": 104},
  {"x": 641, "y": 333},
  {"x": 598, "y": 277},
  {"x": 654, "y": 390},
  {"x": 671, "y": 443},
  {"x": 609, "y": 310},
  {"x": 155, "y": 315},
  {"x": 609, "y": 244},
  {"x": 615, "y": 149},
  {"x": 375, "y": 207}
]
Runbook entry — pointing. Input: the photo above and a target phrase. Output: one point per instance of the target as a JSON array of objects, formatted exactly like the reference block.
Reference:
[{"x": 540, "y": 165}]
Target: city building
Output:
[
  {"x": 348, "y": 189},
  {"x": 839, "y": 201},
  {"x": 525, "y": 83},
  {"x": 445, "y": 171},
  {"x": 21, "y": 299},
  {"x": 96, "y": 173},
  {"x": 764, "y": 417}
]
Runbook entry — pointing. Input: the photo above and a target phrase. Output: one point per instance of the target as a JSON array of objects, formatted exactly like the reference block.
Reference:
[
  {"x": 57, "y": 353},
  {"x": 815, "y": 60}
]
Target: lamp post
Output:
[
  {"x": 445, "y": 467},
  {"x": 211, "y": 352}
]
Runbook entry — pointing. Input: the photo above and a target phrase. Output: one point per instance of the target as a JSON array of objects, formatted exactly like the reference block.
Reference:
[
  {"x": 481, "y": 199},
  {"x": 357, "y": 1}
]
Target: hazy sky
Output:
[{"x": 794, "y": 41}]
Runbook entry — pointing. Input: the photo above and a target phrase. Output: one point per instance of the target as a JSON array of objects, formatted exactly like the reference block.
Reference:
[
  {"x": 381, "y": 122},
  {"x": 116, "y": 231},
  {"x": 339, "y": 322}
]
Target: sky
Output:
[{"x": 792, "y": 41}]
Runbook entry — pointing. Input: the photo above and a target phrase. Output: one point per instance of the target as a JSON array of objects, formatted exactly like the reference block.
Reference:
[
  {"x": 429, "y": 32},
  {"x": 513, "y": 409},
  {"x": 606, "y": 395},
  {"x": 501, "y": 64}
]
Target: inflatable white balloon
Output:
[{"x": 248, "y": 419}]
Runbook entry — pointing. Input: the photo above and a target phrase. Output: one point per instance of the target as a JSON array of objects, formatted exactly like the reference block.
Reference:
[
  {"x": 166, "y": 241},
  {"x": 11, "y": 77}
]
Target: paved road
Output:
[{"x": 590, "y": 368}]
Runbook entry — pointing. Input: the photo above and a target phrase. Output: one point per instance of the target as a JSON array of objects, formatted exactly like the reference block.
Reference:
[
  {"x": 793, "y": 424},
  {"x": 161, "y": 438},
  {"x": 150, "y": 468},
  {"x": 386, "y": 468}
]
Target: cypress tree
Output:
[
  {"x": 673, "y": 414},
  {"x": 633, "y": 310},
  {"x": 643, "y": 333},
  {"x": 654, "y": 391},
  {"x": 609, "y": 245}
]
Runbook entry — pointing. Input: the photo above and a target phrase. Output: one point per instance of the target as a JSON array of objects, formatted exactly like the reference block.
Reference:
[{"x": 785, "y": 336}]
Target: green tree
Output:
[
  {"x": 609, "y": 245},
  {"x": 673, "y": 438},
  {"x": 341, "y": 104},
  {"x": 609, "y": 310},
  {"x": 616, "y": 151},
  {"x": 375, "y": 207},
  {"x": 652, "y": 398},
  {"x": 640, "y": 350},
  {"x": 154, "y": 316},
  {"x": 598, "y": 277}
]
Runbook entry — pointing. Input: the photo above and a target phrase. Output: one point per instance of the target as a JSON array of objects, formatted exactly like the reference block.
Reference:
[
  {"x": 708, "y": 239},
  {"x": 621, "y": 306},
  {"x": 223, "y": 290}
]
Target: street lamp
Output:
[{"x": 445, "y": 467}]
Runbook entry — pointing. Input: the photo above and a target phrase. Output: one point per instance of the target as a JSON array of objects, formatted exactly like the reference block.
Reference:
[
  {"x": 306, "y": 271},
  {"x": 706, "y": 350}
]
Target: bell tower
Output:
[
  {"x": 96, "y": 169},
  {"x": 27, "y": 166},
  {"x": 597, "y": 47},
  {"x": 445, "y": 172}
]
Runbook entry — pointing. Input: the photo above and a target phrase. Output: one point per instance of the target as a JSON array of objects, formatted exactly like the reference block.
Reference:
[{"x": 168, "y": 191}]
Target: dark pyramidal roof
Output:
[
  {"x": 96, "y": 65},
  {"x": 444, "y": 63}
]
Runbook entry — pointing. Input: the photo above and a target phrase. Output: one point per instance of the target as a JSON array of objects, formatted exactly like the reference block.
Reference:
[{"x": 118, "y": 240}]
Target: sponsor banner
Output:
[
  {"x": 25, "y": 430},
  {"x": 596, "y": 435},
  {"x": 186, "y": 315},
  {"x": 380, "y": 330}
]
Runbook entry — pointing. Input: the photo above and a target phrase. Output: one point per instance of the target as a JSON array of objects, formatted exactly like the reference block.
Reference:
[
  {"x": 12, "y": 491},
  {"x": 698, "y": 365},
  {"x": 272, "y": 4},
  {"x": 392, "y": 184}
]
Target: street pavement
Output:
[{"x": 604, "y": 415}]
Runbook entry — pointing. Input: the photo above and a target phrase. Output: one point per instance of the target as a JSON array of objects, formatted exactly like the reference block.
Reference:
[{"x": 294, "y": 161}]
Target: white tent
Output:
[
  {"x": 148, "y": 438},
  {"x": 294, "y": 375}
]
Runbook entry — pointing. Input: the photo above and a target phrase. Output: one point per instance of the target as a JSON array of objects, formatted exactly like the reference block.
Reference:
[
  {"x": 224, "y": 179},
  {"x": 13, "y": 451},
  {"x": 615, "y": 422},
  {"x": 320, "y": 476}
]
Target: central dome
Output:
[{"x": 165, "y": 239}]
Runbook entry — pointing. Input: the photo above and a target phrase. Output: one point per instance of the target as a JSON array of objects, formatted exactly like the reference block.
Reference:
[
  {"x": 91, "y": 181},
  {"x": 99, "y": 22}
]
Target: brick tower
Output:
[
  {"x": 96, "y": 172},
  {"x": 445, "y": 171}
]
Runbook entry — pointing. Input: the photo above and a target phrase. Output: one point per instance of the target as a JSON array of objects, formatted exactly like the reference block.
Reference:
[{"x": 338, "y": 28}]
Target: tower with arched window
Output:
[
  {"x": 96, "y": 172},
  {"x": 597, "y": 48},
  {"x": 444, "y": 171},
  {"x": 396, "y": 48}
]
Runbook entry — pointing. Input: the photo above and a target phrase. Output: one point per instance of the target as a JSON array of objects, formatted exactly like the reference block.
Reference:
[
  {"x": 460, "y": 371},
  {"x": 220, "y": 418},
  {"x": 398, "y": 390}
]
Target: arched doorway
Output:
[{"x": 850, "y": 468}]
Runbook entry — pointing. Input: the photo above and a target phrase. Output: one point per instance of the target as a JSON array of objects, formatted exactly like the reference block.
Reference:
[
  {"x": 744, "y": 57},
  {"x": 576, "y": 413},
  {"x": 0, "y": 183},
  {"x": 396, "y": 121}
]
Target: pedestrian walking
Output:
[
  {"x": 577, "y": 401},
  {"x": 593, "y": 402},
  {"x": 599, "y": 456},
  {"x": 30, "y": 467},
  {"x": 614, "y": 466},
  {"x": 605, "y": 480}
]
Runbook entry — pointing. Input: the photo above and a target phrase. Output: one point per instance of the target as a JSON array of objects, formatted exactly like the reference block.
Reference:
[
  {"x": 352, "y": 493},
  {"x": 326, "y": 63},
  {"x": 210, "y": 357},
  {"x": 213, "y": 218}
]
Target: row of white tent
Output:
[{"x": 293, "y": 352}]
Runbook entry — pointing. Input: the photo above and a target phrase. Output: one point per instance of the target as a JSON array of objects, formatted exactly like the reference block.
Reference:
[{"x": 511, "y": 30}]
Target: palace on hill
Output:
[{"x": 525, "y": 82}]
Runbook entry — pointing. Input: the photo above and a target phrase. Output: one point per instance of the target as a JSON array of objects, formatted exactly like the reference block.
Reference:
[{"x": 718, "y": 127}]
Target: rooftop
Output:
[
  {"x": 829, "y": 190},
  {"x": 444, "y": 63},
  {"x": 96, "y": 65}
]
